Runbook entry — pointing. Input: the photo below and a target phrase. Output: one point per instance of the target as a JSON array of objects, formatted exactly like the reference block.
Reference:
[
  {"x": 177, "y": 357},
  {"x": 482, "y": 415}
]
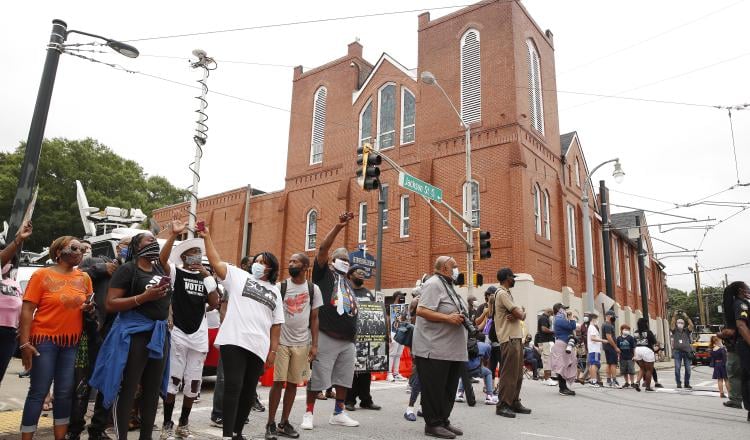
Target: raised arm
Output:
[
  {"x": 673, "y": 321},
  {"x": 690, "y": 325},
  {"x": 176, "y": 228},
  {"x": 214, "y": 259},
  {"x": 12, "y": 247},
  {"x": 325, "y": 246}
]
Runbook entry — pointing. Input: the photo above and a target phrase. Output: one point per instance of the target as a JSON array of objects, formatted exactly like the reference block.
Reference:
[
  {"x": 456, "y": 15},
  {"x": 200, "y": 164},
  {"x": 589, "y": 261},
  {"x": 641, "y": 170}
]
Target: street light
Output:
[
  {"x": 588, "y": 252},
  {"x": 27, "y": 178},
  {"x": 429, "y": 78}
]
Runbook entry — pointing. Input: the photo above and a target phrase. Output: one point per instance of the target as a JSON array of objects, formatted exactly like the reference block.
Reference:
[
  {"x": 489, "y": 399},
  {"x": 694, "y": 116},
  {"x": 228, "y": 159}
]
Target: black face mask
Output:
[
  {"x": 357, "y": 282},
  {"x": 294, "y": 271},
  {"x": 512, "y": 283},
  {"x": 149, "y": 251}
]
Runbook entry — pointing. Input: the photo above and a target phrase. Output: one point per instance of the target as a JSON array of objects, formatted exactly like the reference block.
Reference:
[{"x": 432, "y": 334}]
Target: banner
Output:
[
  {"x": 372, "y": 342},
  {"x": 398, "y": 310}
]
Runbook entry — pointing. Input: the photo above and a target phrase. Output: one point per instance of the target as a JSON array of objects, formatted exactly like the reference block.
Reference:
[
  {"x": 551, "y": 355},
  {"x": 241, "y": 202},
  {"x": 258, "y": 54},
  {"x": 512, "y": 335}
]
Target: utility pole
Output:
[
  {"x": 641, "y": 269},
  {"x": 699, "y": 294},
  {"x": 379, "y": 246},
  {"x": 604, "y": 212}
]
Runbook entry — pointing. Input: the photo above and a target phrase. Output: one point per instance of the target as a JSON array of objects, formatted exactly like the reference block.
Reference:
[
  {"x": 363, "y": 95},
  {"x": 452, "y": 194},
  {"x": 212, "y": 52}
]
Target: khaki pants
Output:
[{"x": 511, "y": 372}]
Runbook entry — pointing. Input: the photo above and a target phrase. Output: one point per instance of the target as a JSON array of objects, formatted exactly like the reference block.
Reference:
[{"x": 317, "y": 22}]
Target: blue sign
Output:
[{"x": 363, "y": 259}]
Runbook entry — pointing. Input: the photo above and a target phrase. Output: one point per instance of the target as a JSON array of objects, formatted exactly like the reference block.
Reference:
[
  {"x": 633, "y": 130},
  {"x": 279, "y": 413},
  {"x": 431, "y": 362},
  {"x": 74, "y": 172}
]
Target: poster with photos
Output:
[{"x": 372, "y": 342}]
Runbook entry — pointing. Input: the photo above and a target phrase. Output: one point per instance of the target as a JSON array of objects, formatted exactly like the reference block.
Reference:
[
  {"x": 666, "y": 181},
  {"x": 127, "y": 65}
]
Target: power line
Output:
[
  {"x": 252, "y": 63},
  {"x": 710, "y": 270},
  {"x": 301, "y": 22}
]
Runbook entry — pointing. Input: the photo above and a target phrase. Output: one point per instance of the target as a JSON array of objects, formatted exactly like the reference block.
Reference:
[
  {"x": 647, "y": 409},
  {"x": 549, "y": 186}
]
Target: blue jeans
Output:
[
  {"x": 482, "y": 372},
  {"x": 681, "y": 357},
  {"x": 56, "y": 363}
]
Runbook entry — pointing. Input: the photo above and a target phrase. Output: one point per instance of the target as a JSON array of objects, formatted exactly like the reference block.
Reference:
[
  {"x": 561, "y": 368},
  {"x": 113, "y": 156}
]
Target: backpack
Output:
[{"x": 310, "y": 293}]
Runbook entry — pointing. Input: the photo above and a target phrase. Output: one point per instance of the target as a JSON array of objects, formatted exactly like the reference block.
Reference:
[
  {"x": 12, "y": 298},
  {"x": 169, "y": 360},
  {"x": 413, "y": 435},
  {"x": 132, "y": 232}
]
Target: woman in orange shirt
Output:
[{"x": 51, "y": 324}]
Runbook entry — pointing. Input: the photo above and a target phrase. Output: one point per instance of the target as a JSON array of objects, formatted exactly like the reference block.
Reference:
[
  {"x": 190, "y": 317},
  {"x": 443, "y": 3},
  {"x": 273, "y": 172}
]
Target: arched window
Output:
[
  {"x": 311, "y": 230},
  {"x": 408, "y": 116},
  {"x": 318, "y": 126},
  {"x": 473, "y": 205},
  {"x": 536, "y": 106},
  {"x": 471, "y": 77},
  {"x": 578, "y": 172},
  {"x": 537, "y": 210},
  {"x": 387, "y": 116},
  {"x": 365, "y": 124},
  {"x": 572, "y": 244},
  {"x": 547, "y": 227}
]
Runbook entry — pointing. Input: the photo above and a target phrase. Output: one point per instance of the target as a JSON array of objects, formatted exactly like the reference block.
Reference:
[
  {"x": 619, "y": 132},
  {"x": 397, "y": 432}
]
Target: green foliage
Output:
[
  {"x": 108, "y": 179},
  {"x": 680, "y": 300}
]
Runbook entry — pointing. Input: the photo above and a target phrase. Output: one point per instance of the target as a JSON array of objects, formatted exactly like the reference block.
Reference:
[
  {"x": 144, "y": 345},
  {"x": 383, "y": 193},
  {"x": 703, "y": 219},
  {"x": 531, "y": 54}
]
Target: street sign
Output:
[
  {"x": 363, "y": 259},
  {"x": 420, "y": 187}
]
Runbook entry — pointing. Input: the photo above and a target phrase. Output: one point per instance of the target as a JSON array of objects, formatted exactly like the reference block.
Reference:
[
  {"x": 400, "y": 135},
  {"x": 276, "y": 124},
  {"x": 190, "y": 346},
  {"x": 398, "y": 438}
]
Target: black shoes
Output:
[
  {"x": 257, "y": 406},
  {"x": 519, "y": 409},
  {"x": 287, "y": 430},
  {"x": 371, "y": 406},
  {"x": 453, "y": 429},
  {"x": 567, "y": 392},
  {"x": 270, "y": 431},
  {"x": 505, "y": 411},
  {"x": 732, "y": 404},
  {"x": 439, "y": 432},
  {"x": 658, "y": 385}
]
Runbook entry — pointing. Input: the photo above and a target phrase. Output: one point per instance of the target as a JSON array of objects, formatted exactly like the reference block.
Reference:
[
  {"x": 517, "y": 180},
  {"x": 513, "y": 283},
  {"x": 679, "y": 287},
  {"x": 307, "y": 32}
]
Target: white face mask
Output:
[
  {"x": 680, "y": 325},
  {"x": 258, "y": 270},
  {"x": 626, "y": 332},
  {"x": 341, "y": 266},
  {"x": 585, "y": 319},
  {"x": 454, "y": 274}
]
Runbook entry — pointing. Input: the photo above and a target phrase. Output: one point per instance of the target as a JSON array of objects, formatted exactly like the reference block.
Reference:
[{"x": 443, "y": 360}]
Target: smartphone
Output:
[
  {"x": 165, "y": 281},
  {"x": 200, "y": 226}
]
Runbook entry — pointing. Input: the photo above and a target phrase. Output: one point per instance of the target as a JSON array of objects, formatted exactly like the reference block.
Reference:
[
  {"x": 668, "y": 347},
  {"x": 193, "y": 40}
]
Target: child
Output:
[
  {"x": 626, "y": 343},
  {"x": 719, "y": 362}
]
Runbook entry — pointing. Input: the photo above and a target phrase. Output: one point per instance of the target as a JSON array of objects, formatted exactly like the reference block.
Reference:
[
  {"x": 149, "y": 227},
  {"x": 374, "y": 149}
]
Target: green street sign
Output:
[{"x": 420, "y": 187}]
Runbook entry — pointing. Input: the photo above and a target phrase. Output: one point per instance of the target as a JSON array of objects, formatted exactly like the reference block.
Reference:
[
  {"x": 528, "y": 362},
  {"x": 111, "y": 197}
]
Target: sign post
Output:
[{"x": 407, "y": 181}]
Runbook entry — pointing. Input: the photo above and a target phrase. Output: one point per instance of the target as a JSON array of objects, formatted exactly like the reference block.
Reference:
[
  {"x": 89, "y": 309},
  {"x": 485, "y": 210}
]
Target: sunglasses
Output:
[{"x": 75, "y": 249}]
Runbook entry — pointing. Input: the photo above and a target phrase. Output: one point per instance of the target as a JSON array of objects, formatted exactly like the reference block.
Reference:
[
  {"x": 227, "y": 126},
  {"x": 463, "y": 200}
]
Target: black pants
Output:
[
  {"x": 466, "y": 378},
  {"x": 240, "y": 383},
  {"x": 360, "y": 388},
  {"x": 439, "y": 380},
  {"x": 84, "y": 367},
  {"x": 146, "y": 372},
  {"x": 743, "y": 350},
  {"x": 494, "y": 360}
]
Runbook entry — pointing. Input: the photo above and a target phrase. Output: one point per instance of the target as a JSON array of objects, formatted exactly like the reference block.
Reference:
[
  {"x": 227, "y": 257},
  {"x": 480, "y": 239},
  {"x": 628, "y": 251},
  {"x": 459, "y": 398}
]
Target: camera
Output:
[
  {"x": 470, "y": 327},
  {"x": 572, "y": 341}
]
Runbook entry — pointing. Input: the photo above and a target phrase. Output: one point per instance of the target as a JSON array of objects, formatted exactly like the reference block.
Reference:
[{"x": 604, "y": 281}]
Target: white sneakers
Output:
[
  {"x": 491, "y": 399},
  {"x": 460, "y": 397},
  {"x": 307, "y": 421},
  {"x": 342, "y": 419},
  {"x": 395, "y": 378},
  {"x": 550, "y": 382}
]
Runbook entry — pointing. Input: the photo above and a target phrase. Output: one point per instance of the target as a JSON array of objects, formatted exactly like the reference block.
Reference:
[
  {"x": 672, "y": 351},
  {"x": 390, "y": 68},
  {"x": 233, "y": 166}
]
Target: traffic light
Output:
[
  {"x": 478, "y": 279},
  {"x": 367, "y": 168},
  {"x": 484, "y": 245}
]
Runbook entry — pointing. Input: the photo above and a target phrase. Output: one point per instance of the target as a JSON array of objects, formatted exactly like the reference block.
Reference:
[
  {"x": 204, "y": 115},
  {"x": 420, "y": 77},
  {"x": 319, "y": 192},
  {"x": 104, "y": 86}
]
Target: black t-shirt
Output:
[
  {"x": 741, "y": 311},
  {"x": 542, "y": 337},
  {"x": 364, "y": 294},
  {"x": 330, "y": 322},
  {"x": 645, "y": 339},
  {"x": 188, "y": 301},
  {"x": 731, "y": 323},
  {"x": 135, "y": 281},
  {"x": 608, "y": 329}
]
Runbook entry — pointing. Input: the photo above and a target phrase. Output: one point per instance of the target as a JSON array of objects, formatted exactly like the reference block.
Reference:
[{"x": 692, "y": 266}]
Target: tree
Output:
[
  {"x": 688, "y": 303},
  {"x": 109, "y": 180}
]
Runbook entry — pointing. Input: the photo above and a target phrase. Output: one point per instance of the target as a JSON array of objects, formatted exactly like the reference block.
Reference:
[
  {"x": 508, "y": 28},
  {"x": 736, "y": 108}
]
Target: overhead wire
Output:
[{"x": 711, "y": 270}]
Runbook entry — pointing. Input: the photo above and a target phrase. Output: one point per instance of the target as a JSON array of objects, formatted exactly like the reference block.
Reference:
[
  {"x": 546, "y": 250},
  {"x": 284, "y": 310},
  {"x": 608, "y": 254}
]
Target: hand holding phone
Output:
[
  {"x": 164, "y": 281},
  {"x": 200, "y": 226}
]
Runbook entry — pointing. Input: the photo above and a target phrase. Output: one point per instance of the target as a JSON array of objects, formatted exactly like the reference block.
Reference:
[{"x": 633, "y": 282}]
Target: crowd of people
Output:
[{"x": 134, "y": 329}]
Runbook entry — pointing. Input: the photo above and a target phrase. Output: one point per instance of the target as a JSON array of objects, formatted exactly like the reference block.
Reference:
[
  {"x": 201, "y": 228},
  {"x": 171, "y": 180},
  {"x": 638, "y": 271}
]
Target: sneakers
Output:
[
  {"x": 183, "y": 432},
  {"x": 410, "y": 416},
  {"x": 321, "y": 396},
  {"x": 287, "y": 430},
  {"x": 490, "y": 399},
  {"x": 270, "y": 431},
  {"x": 616, "y": 384},
  {"x": 350, "y": 407},
  {"x": 167, "y": 431},
  {"x": 550, "y": 382},
  {"x": 594, "y": 384},
  {"x": 627, "y": 385},
  {"x": 567, "y": 392},
  {"x": 637, "y": 387},
  {"x": 679, "y": 385},
  {"x": 687, "y": 386},
  {"x": 307, "y": 421},
  {"x": 342, "y": 419},
  {"x": 650, "y": 390},
  {"x": 399, "y": 378},
  {"x": 390, "y": 378},
  {"x": 475, "y": 380},
  {"x": 460, "y": 397},
  {"x": 733, "y": 404},
  {"x": 217, "y": 422},
  {"x": 257, "y": 406},
  {"x": 658, "y": 385}
]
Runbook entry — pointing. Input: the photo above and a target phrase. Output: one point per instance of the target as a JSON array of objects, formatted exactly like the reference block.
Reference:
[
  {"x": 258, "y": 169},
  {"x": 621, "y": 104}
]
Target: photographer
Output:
[
  {"x": 508, "y": 318},
  {"x": 564, "y": 361},
  {"x": 439, "y": 345},
  {"x": 682, "y": 350}
]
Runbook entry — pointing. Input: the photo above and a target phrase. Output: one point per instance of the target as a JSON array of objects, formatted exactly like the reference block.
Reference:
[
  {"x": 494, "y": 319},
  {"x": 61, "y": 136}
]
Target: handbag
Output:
[{"x": 404, "y": 334}]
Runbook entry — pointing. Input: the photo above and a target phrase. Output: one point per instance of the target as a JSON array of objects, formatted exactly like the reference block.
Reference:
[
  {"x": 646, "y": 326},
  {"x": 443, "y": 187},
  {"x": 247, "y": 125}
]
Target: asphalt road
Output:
[{"x": 592, "y": 413}]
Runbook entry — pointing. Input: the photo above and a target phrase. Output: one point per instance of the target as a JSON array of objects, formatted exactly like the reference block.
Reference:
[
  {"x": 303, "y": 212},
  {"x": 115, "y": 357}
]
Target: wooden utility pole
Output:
[{"x": 699, "y": 294}]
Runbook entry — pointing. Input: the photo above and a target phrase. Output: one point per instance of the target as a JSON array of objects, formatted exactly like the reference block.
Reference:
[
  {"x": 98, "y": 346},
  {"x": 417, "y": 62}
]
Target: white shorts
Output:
[
  {"x": 185, "y": 367},
  {"x": 546, "y": 352},
  {"x": 644, "y": 354}
]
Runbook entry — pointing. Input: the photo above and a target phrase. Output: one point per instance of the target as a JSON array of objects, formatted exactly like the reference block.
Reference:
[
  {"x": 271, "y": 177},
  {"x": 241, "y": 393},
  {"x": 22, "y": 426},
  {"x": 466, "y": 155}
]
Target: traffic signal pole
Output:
[
  {"x": 467, "y": 213},
  {"x": 379, "y": 248}
]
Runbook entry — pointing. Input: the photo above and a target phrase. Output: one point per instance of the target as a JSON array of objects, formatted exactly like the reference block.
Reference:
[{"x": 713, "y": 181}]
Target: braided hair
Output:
[{"x": 134, "y": 246}]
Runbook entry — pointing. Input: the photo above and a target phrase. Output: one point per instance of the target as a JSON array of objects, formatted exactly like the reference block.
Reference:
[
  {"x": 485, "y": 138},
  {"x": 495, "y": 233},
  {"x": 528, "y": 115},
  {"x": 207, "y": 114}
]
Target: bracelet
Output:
[
  {"x": 273, "y": 352},
  {"x": 135, "y": 298},
  {"x": 24, "y": 345}
]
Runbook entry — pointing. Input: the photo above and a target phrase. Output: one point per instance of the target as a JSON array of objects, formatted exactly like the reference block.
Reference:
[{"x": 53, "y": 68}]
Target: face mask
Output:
[
  {"x": 626, "y": 332},
  {"x": 585, "y": 319},
  {"x": 294, "y": 271},
  {"x": 258, "y": 270},
  {"x": 680, "y": 326},
  {"x": 123, "y": 253},
  {"x": 512, "y": 283},
  {"x": 149, "y": 252},
  {"x": 192, "y": 260},
  {"x": 454, "y": 274},
  {"x": 341, "y": 266},
  {"x": 357, "y": 282}
]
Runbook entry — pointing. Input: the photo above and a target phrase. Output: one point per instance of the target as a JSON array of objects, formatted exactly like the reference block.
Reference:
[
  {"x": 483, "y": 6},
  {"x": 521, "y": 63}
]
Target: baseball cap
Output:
[
  {"x": 559, "y": 306},
  {"x": 354, "y": 267},
  {"x": 490, "y": 290},
  {"x": 611, "y": 313},
  {"x": 504, "y": 273}
]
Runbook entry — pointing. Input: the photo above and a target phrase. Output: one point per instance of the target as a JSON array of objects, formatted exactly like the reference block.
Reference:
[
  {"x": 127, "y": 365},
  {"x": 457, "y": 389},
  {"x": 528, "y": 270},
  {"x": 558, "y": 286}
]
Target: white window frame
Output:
[
  {"x": 404, "y": 91},
  {"x": 315, "y": 126},
  {"x": 475, "y": 114},
  {"x": 616, "y": 251},
  {"x": 361, "y": 114},
  {"x": 404, "y": 219},
  {"x": 380, "y": 107},
  {"x": 385, "y": 188},
  {"x": 308, "y": 234},
  {"x": 628, "y": 281},
  {"x": 572, "y": 244},
  {"x": 362, "y": 227},
  {"x": 547, "y": 225},
  {"x": 537, "y": 210},
  {"x": 536, "y": 97},
  {"x": 467, "y": 203},
  {"x": 578, "y": 173}
]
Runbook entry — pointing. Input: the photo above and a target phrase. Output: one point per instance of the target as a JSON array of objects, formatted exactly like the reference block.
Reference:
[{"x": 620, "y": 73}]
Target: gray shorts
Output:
[
  {"x": 627, "y": 367},
  {"x": 334, "y": 364}
]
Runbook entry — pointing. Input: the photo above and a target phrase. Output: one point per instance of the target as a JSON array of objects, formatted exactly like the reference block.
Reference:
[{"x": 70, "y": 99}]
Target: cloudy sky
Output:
[{"x": 693, "y": 54}]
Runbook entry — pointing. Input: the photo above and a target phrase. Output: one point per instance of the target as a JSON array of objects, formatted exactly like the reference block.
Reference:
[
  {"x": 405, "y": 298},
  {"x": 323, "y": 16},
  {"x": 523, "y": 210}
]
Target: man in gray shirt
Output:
[
  {"x": 439, "y": 346},
  {"x": 682, "y": 347}
]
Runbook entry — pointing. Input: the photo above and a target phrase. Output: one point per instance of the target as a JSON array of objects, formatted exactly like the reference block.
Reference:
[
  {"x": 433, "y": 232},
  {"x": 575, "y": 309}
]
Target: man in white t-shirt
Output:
[
  {"x": 298, "y": 344},
  {"x": 594, "y": 343},
  {"x": 193, "y": 287}
]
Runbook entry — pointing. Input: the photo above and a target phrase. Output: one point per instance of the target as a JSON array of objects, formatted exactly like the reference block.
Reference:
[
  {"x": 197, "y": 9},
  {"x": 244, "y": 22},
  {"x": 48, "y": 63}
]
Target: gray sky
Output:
[{"x": 684, "y": 51}]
